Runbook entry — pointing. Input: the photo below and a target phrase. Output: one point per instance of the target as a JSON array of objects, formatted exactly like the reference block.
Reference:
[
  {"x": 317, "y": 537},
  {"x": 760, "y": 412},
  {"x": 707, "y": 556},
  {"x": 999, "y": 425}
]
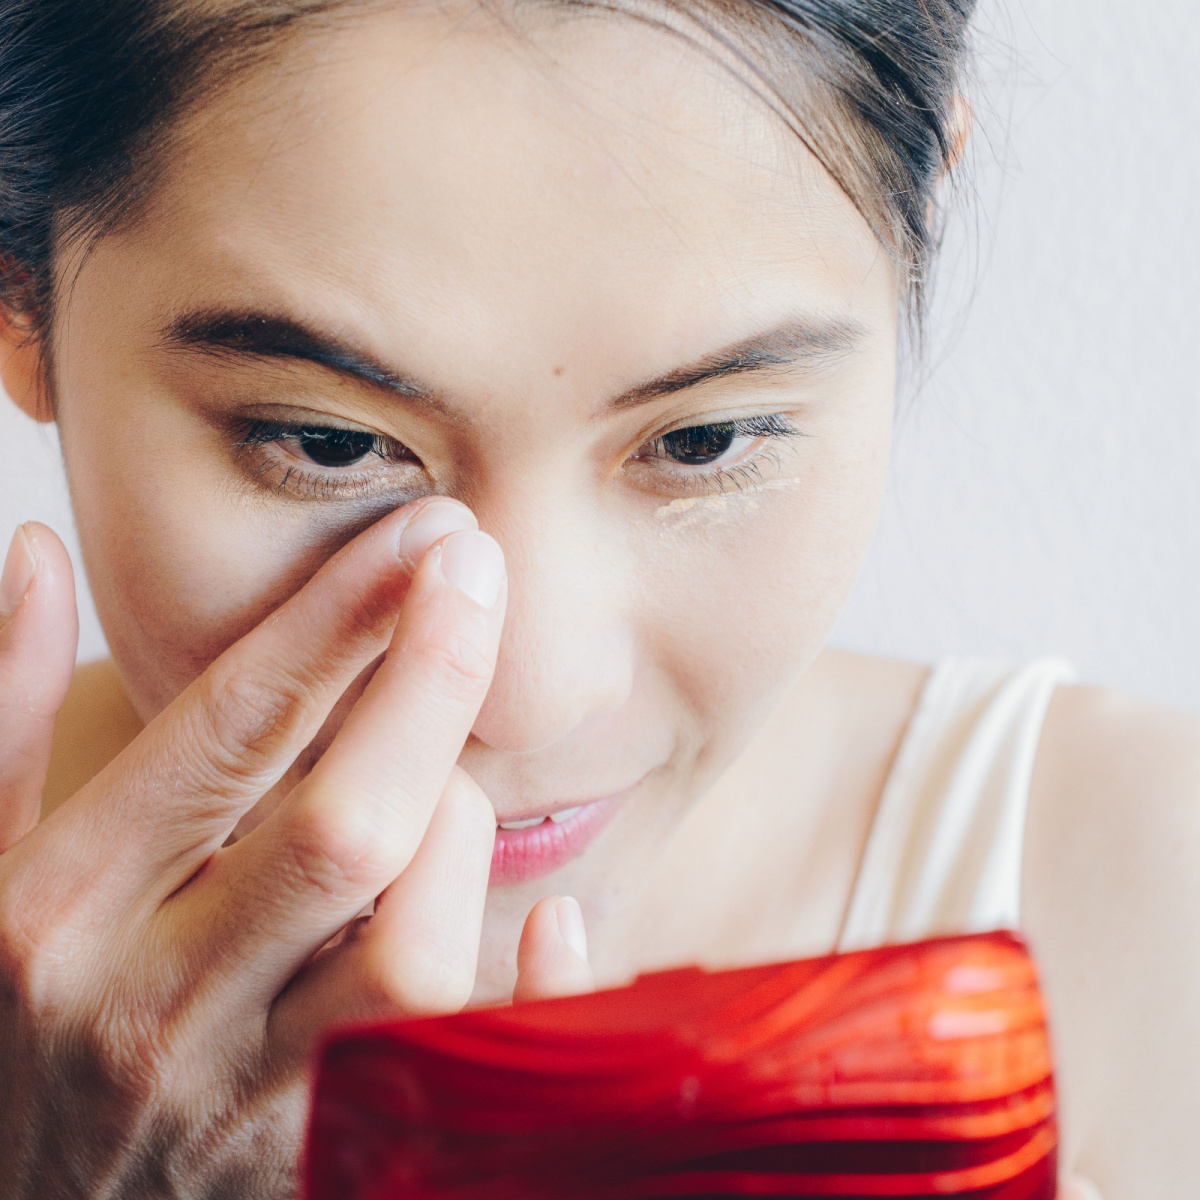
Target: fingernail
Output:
[
  {"x": 433, "y": 522},
  {"x": 570, "y": 924},
  {"x": 19, "y": 567},
  {"x": 474, "y": 563}
]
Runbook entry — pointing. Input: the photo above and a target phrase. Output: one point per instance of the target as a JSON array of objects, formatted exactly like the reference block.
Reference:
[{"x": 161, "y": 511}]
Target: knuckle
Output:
[
  {"x": 462, "y": 667},
  {"x": 100, "y": 1035},
  {"x": 240, "y": 720},
  {"x": 112, "y": 1038},
  {"x": 36, "y": 948},
  {"x": 334, "y": 854},
  {"x": 132, "y": 1045},
  {"x": 22, "y": 967}
]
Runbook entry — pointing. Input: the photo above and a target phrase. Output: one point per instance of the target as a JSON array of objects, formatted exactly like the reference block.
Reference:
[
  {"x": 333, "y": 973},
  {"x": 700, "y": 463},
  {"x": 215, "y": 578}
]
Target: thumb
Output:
[
  {"x": 39, "y": 631},
  {"x": 552, "y": 957}
]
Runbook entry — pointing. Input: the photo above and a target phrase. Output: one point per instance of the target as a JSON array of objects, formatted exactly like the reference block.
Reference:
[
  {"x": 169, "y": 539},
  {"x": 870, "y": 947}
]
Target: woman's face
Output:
[{"x": 577, "y": 277}]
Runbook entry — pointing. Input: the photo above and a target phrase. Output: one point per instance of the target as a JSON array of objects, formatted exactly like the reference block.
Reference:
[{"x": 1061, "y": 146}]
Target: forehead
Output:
[{"x": 541, "y": 188}]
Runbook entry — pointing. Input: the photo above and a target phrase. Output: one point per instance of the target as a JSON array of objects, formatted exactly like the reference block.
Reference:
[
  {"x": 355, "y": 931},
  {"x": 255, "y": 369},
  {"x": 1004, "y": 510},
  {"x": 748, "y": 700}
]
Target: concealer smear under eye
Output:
[{"x": 682, "y": 513}]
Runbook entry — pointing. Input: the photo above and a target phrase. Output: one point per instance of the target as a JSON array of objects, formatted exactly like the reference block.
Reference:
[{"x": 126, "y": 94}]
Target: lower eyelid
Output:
[
  {"x": 281, "y": 471},
  {"x": 749, "y": 467}
]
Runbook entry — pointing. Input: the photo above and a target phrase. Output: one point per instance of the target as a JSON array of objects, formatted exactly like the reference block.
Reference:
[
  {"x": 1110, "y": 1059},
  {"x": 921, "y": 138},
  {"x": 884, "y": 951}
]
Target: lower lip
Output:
[{"x": 522, "y": 854}]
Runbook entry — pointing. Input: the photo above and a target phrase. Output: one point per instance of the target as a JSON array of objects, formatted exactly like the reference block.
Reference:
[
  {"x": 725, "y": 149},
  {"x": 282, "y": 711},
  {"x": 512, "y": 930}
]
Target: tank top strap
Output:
[{"x": 944, "y": 852}]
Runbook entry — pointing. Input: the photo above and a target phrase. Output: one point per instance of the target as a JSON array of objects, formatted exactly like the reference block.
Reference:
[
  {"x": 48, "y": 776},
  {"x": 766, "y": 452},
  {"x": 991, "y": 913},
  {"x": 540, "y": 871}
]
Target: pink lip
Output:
[{"x": 521, "y": 854}]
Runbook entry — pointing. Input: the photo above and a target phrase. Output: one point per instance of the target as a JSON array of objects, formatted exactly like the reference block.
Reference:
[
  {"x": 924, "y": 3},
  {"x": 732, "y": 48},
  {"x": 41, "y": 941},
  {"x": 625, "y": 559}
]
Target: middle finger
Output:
[{"x": 353, "y": 825}]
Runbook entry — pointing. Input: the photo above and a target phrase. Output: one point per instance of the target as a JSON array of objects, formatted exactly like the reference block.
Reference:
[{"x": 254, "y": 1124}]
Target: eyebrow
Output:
[
  {"x": 263, "y": 335},
  {"x": 795, "y": 343}
]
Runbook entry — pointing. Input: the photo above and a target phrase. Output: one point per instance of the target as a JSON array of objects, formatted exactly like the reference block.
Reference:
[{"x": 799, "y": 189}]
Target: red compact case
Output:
[{"x": 919, "y": 1070}]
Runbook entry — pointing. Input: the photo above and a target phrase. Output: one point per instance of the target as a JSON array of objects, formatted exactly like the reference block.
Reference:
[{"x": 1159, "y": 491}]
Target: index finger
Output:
[
  {"x": 172, "y": 798},
  {"x": 354, "y": 824}
]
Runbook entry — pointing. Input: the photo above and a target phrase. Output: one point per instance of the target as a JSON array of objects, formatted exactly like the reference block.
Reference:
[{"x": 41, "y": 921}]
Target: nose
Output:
[{"x": 567, "y": 650}]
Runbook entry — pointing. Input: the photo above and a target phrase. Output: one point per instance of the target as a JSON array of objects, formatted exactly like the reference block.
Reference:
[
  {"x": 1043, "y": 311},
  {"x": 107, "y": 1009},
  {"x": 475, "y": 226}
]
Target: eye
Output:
[
  {"x": 715, "y": 442},
  {"x": 327, "y": 446},
  {"x": 330, "y": 447},
  {"x": 699, "y": 445},
  {"x": 326, "y": 462}
]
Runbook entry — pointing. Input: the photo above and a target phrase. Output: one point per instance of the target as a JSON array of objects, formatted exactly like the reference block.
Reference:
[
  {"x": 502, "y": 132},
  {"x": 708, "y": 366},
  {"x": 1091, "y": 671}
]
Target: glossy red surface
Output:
[{"x": 919, "y": 1071}]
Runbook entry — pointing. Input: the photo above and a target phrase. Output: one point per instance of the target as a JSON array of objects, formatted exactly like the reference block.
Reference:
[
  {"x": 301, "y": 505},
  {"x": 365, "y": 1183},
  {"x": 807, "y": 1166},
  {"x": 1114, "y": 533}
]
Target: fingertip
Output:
[
  {"x": 570, "y": 925},
  {"x": 552, "y": 954},
  {"x": 435, "y": 518},
  {"x": 541, "y": 925},
  {"x": 39, "y": 632},
  {"x": 53, "y": 564},
  {"x": 17, "y": 573},
  {"x": 44, "y": 539},
  {"x": 473, "y": 562},
  {"x": 37, "y": 596}
]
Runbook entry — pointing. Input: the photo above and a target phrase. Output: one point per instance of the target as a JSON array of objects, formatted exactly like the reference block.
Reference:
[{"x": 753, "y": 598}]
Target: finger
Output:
[
  {"x": 170, "y": 799},
  {"x": 39, "y": 632},
  {"x": 418, "y": 954},
  {"x": 552, "y": 955},
  {"x": 353, "y": 825}
]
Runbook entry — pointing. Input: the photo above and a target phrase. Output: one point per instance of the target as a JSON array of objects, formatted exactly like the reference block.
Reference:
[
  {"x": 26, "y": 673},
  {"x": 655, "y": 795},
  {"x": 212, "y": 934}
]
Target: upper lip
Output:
[{"x": 506, "y": 818}]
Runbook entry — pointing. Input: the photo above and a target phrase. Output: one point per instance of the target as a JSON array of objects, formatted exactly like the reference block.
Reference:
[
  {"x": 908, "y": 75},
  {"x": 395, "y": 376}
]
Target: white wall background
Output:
[
  {"x": 1046, "y": 486},
  {"x": 1046, "y": 489}
]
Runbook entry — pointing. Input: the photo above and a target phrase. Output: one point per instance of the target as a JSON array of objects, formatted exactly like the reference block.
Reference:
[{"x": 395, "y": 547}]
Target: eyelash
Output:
[
  {"x": 746, "y": 471},
  {"x": 260, "y": 432},
  {"x": 310, "y": 481},
  {"x": 314, "y": 481}
]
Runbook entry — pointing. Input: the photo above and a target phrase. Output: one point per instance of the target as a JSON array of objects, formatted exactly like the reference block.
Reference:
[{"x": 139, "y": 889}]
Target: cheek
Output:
[
  {"x": 748, "y": 586},
  {"x": 180, "y": 563}
]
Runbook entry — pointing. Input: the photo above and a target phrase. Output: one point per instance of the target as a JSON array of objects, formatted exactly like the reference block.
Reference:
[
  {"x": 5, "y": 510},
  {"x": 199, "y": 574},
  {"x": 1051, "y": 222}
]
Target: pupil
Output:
[
  {"x": 699, "y": 444},
  {"x": 335, "y": 447}
]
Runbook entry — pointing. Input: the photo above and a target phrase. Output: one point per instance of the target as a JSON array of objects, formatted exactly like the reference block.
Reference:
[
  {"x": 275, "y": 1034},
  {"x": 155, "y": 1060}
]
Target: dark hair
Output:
[{"x": 90, "y": 90}]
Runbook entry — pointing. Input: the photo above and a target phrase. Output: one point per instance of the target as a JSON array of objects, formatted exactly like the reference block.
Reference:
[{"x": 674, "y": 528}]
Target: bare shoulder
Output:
[
  {"x": 1112, "y": 907},
  {"x": 1117, "y": 744},
  {"x": 1115, "y": 797},
  {"x": 1115, "y": 807},
  {"x": 95, "y": 723}
]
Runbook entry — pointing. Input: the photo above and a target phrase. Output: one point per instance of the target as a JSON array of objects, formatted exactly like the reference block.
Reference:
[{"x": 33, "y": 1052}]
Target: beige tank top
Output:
[{"x": 944, "y": 853}]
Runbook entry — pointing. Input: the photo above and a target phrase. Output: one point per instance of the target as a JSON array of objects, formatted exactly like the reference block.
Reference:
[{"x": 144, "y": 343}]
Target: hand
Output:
[{"x": 161, "y": 991}]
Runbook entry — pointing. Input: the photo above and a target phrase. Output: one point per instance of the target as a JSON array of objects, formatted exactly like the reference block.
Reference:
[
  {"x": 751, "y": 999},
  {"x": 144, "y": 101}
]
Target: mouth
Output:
[{"x": 535, "y": 846}]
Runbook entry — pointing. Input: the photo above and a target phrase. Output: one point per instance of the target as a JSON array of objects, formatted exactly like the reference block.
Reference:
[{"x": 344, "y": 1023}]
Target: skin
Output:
[
  {"x": 520, "y": 440},
  {"x": 535, "y": 227}
]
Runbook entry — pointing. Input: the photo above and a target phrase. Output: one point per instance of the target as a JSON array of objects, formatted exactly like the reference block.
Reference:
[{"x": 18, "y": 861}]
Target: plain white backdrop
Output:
[{"x": 1045, "y": 495}]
